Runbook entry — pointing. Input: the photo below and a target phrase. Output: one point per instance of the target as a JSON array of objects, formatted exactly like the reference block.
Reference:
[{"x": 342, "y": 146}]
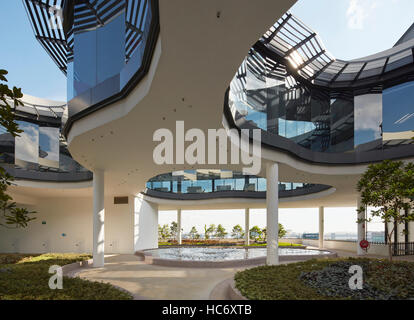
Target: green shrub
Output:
[
  {"x": 327, "y": 279},
  {"x": 27, "y": 278}
]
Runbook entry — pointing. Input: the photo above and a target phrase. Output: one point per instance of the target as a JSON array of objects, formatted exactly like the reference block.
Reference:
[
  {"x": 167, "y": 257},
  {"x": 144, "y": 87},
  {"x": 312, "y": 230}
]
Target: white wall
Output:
[
  {"x": 145, "y": 225},
  {"x": 73, "y": 217}
]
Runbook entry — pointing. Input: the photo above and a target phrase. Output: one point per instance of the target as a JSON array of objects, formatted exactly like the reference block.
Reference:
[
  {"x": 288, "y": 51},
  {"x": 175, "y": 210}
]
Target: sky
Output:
[
  {"x": 349, "y": 29},
  {"x": 28, "y": 64}
]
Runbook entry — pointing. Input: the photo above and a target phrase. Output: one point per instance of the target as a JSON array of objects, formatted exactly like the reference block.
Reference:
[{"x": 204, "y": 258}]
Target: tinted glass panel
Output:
[
  {"x": 110, "y": 39},
  {"x": 368, "y": 119},
  {"x": 27, "y": 145},
  {"x": 49, "y": 147},
  {"x": 398, "y": 112}
]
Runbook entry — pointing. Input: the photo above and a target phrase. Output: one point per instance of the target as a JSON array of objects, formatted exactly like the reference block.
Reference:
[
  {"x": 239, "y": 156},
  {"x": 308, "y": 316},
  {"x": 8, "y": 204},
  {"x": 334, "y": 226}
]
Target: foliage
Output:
[
  {"x": 237, "y": 232},
  {"x": 389, "y": 187},
  {"x": 7, "y": 118},
  {"x": 174, "y": 229},
  {"x": 164, "y": 232},
  {"x": 255, "y": 233},
  {"x": 10, "y": 215},
  {"x": 281, "y": 244},
  {"x": 220, "y": 232},
  {"x": 299, "y": 281},
  {"x": 27, "y": 277},
  {"x": 194, "y": 233},
  {"x": 282, "y": 231},
  {"x": 333, "y": 281},
  {"x": 208, "y": 231}
]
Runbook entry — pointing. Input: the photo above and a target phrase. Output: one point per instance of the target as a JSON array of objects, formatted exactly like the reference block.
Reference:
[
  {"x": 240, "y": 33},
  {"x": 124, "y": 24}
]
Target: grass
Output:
[
  {"x": 26, "y": 277},
  {"x": 281, "y": 244},
  {"x": 201, "y": 243},
  {"x": 320, "y": 280}
]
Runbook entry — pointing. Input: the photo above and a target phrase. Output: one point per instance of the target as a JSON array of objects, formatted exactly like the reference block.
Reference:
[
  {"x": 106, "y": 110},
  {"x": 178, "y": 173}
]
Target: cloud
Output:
[
  {"x": 356, "y": 15},
  {"x": 358, "y": 11}
]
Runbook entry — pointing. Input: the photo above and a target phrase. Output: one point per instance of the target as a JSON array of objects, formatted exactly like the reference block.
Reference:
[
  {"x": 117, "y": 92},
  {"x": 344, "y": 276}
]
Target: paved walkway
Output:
[
  {"x": 158, "y": 282},
  {"x": 129, "y": 272}
]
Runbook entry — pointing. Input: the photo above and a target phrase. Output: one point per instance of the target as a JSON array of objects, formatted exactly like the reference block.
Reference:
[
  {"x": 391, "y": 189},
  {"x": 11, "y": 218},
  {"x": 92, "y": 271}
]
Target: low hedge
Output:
[
  {"x": 327, "y": 279},
  {"x": 26, "y": 277}
]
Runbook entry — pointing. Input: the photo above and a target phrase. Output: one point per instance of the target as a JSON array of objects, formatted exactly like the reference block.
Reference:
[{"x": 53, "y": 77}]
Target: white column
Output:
[
  {"x": 272, "y": 214},
  {"x": 411, "y": 231},
  {"x": 145, "y": 225},
  {"x": 98, "y": 218},
  {"x": 246, "y": 226},
  {"x": 321, "y": 226},
  {"x": 400, "y": 228},
  {"x": 179, "y": 235},
  {"x": 361, "y": 228}
]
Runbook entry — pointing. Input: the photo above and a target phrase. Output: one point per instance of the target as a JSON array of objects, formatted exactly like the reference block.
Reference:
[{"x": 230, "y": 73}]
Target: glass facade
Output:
[
  {"x": 398, "y": 112},
  {"x": 109, "y": 41},
  {"x": 37, "y": 149},
  {"x": 201, "y": 181},
  {"x": 317, "y": 118},
  {"x": 368, "y": 120}
]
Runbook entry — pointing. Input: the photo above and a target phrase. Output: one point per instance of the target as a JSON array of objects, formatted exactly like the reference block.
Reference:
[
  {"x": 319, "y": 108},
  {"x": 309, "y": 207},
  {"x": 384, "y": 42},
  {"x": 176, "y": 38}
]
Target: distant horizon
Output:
[{"x": 337, "y": 220}]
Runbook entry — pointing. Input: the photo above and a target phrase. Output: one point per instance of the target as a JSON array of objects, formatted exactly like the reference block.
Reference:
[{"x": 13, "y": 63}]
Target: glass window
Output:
[
  {"x": 398, "y": 112},
  {"x": 111, "y": 48},
  {"x": 27, "y": 145},
  {"x": 320, "y": 116},
  {"x": 49, "y": 147},
  {"x": 368, "y": 119},
  {"x": 342, "y": 124},
  {"x": 85, "y": 68},
  {"x": 109, "y": 45}
]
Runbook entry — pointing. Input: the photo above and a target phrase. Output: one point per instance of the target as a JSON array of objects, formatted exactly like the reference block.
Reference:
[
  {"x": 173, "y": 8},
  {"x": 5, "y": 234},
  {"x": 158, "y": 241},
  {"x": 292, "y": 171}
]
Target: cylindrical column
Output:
[
  {"x": 179, "y": 236},
  {"x": 98, "y": 218},
  {"x": 246, "y": 226},
  {"x": 361, "y": 227},
  {"x": 321, "y": 226},
  {"x": 145, "y": 225},
  {"x": 272, "y": 214}
]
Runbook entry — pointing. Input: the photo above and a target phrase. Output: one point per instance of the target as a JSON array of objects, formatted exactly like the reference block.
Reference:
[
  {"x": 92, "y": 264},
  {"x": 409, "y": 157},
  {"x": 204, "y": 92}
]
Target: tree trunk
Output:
[{"x": 390, "y": 244}]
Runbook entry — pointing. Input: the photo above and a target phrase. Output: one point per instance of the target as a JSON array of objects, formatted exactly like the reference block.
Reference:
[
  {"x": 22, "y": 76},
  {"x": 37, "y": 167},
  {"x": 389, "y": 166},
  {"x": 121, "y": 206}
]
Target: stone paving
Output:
[{"x": 145, "y": 281}]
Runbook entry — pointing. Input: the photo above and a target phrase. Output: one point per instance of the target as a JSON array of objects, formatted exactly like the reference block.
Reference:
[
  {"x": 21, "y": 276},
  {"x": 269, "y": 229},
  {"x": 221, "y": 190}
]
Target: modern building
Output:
[{"x": 135, "y": 66}]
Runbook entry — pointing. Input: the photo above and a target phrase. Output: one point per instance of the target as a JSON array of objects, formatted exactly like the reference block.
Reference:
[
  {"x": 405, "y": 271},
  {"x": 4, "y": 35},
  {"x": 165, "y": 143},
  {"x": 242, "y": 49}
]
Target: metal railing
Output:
[{"x": 403, "y": 248}]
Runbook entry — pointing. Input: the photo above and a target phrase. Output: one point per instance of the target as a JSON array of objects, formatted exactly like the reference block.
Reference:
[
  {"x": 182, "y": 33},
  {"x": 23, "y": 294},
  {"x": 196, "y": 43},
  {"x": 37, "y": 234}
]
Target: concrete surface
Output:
[{"x": 146, "y": 281}]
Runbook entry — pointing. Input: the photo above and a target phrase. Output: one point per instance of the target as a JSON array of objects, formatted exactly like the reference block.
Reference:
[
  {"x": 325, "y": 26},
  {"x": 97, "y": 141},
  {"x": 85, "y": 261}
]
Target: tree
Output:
[
  {"x": 220, "y": 232},
  {"x": 164, "y": 232},
  {"x": 389, "y": 187},
  {"x": 255, "y": 233},
  {"x": 237, "y": 232},
  {"x": 194, "y": 233},
  {"x": 174, "y": 229},
  {"x": 10, "y": 215},
  {"x": 208, "y": 231},
  {"x": 282, "y": 231}
]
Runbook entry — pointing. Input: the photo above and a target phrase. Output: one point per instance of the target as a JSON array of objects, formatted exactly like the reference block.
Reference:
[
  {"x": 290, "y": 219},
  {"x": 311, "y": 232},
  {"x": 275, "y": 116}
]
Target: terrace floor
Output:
[{"x": 146, "y": 281}]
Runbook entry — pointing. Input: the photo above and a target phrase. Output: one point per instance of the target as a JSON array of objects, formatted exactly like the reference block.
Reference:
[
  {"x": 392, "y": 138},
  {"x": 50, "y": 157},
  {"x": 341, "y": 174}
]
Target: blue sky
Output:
[
  {"x": 356, "y": 28},
  {"x": 28, "y": 64},
  {"x": 349, "y": 29}
]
